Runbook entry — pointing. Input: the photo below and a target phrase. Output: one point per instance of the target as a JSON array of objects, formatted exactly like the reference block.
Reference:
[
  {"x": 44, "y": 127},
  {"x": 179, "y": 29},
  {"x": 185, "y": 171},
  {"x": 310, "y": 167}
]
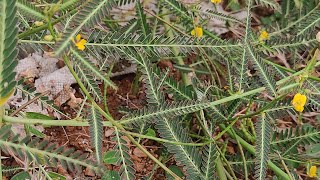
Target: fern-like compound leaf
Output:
[
  {"x": 178, "y": 8},
  {"x": 220, "y": 16},
  {"x": 304, "y": 135},
  {"x": 245, "y": 54},
  {"x": 179, "y": 91},
  {"x": 91, "y": 13},
  {"x": 43, "y": 152},
  {"x": 8, "y": 50},
  {"x": 67, "y": 4},
  {"x": 30, "y": 10},
  {"x": 269, "y": 3},
  {"x": 88, "y": 80},
  {"x": 289, "y": 44},
  {"x": 142, "y": 19},
  {"x": 262, "y": 69},
  {"x": 310, "y": 23},
  {"x": 262, "y": 146},
  {"x": 209, "y": 155},
  {"x": 81, "y": 57},
  {"x": 187, "y": 155},
  {"x": 96, "y": 132},
  {"x": 126, "y": 171},
  {"x": 170, "y": 110}
]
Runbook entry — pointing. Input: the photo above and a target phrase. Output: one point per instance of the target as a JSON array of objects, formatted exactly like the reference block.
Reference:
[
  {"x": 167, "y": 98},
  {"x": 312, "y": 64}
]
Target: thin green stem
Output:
[
  {"x": 285, "y": 166},
  {"x": 180, "y": 61},
  {"x": 220, "y": 169},
  {"x": 71, "y": 122},
  {"x": 35, "y": 150},
  {"x": 225, "y": 130},
  {"x": 166, "y": 141},
  {"x": 243, "y": 158},
  {"x": 252, "y": 151}
]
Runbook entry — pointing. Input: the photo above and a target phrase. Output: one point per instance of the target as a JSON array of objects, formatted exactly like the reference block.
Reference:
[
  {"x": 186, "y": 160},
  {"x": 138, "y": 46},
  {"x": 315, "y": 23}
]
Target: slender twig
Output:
[
  {"x": 252, "y": 151},
  {"x": 285, "y": 166},
  {"x": 243, "y": 158},
  {"x": 167, "y": 141},
  {"x": 29, "y": 102}
]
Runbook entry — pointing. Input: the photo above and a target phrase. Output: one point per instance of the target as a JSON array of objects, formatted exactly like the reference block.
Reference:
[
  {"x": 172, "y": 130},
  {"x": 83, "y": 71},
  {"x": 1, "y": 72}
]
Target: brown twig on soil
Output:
[{"x": 29, "y": 102}]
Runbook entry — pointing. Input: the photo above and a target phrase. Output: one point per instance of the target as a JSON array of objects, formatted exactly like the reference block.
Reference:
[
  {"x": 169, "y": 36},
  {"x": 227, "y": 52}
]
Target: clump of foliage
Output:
[{"x": 246, "y": 91}]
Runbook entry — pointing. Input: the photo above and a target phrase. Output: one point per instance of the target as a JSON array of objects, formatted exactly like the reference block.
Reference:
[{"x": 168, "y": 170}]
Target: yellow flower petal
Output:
[
  {"x": 81, "y": 47},
  {"x": 193, "y": 32},
  {"x": 264, "y": 35},
  {"x": 303, "y": 100},
  {"x": 298, "y": 108},
  {"x": 216, "y": 1},
  {"x": 298, "y": 102},
  {"x": 80, "y": 43},
  {"x": 313, "y": 171},
  {"x": 197, "y": 32},
  {"x": 78, "y": 37}
]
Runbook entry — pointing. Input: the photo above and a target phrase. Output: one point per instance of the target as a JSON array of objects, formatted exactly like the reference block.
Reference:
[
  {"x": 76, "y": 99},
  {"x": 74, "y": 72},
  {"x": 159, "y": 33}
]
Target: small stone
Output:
[
  {"x": 108, "y": 132},
  {"x": 89, "y": 172},
  {"x": 139, "y": 167},
  {"x": 139, "y": 153},
  {"x": 135, "y": 158},
  {"x": 60, "y": 64}
]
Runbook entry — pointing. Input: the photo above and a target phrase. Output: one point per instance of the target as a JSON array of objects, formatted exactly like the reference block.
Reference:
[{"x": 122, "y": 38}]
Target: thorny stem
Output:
[{"x": 113, "y": 122}]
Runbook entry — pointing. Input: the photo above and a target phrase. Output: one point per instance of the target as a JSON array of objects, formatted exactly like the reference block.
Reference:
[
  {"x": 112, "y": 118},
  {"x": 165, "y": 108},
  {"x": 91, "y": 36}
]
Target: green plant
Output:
[{"x": 244, "y": 85}]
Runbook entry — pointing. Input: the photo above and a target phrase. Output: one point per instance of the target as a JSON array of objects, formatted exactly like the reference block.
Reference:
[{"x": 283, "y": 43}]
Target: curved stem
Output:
[
  {"x": 167, "y": 141},
  {"x": 252, "y": 151}
]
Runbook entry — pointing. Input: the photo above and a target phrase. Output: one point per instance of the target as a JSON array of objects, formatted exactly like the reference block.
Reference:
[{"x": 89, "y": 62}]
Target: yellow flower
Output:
[
  {"x": 197, "y": 32},
  {"x": 216, "y": 1},
  {"x": 264, "y": 35},
  {"x": 313, "y": 171},
  {"x": 298, "y": 102},
  {"x": 80, "y": 42}
]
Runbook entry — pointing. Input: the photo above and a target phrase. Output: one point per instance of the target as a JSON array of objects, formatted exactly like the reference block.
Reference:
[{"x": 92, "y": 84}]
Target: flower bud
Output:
[
  {"x": 48, "y": 37},
  {"x": 38, "y": 23}
]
